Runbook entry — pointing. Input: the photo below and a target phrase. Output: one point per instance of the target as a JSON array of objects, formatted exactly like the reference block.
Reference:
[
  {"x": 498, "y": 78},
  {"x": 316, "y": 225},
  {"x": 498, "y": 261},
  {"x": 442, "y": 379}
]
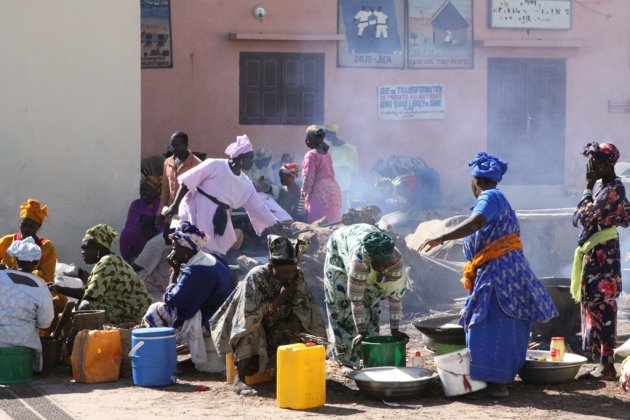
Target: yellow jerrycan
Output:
[{"x": 301, "y": 376}]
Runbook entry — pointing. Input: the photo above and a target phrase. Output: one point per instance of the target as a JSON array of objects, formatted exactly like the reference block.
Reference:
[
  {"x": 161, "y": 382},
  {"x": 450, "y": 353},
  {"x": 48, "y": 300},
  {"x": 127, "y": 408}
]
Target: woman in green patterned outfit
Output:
[
  {"x": 362, "y": 268},
  {"x": 112, "y": 285}
]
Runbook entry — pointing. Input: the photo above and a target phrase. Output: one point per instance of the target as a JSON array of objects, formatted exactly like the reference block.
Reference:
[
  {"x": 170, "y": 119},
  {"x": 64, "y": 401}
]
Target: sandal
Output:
[
  {"x": 241, "y": 388},
  {"x": 493, "y": 391},
  {"x": 600, "y": 374},
  {"x": 498, "y": 390}
]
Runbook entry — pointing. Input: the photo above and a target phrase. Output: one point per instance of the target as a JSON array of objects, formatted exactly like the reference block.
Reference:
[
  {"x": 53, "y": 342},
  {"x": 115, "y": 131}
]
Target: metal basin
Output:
[
  {"x": 393, "y": 383},
  {"x": 435, "y": 331},
  {"x": 540, "y": 372}
]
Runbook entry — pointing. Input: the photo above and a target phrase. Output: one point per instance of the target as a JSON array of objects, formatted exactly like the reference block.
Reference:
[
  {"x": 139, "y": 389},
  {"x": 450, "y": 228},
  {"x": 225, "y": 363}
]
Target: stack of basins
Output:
[{"x": 442, "y": 334}]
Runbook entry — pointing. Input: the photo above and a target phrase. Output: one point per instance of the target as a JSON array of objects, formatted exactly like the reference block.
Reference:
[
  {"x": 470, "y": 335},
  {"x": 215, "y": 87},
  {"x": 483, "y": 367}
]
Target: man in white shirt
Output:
[
  {"x": 362, "y": 17},
  {"x": 381, "y": 23}
]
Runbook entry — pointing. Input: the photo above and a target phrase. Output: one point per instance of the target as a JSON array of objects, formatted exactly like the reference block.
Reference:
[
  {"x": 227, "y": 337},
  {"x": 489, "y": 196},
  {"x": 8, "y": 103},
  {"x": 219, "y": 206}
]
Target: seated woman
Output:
[
  {"x": 140, "y": 224},
  {"x": 269, "y": 308},
  {"x": 200, "y": 283},
  {"x": 152, "y": 265},
  {"x": 32, "y": 216},
  {"x": 25, "y": 303},
  {"x": 272, "y": 205},
  {"x": 289, "y": 196},
  {"x": 112, "y": 285}
]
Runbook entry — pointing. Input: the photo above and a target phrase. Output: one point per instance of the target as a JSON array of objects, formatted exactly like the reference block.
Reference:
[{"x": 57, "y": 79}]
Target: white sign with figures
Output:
[
  {"x": 530, "y": 14},
  {"x": 411, "y": 102}
]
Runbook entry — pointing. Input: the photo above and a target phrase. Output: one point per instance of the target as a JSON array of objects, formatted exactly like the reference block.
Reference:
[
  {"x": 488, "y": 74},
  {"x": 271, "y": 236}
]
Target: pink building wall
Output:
[{"x": 200, "y": 93}]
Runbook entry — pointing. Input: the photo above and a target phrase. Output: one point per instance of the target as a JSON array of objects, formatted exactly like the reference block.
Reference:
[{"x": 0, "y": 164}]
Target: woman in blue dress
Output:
[{"x": 505, "y": 296}]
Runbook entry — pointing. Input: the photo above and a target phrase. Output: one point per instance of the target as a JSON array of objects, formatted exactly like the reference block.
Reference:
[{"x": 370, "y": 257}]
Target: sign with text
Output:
[
  {"x": 530, "y": 14},
  {"x": 155, "y": 34},
  {"x": 374, "y": 32},
  {"x": 440, "y": 34},
  {"x": 411, "y": 102}
]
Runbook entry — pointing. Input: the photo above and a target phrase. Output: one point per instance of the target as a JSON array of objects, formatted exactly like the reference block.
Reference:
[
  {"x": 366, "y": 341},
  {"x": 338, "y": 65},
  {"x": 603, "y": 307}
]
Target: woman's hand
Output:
[
  {"x": 356, "y": 342},
  {"x": 2, "y": 266},
  {"x": 84, "y": 305},
  {"x": 278, "y": 229},
  {"x": 173, "y": 262},
  {"x": 159, "y": 221},
  {"x": 170, "y": 212},
  {"x": 591, "y": 175},
  {"x": 83, "y": 275},
  {"x": 400, "y": 335},
  {"x": 290, "y": 287},
  {"x": 429, "y": 245}
]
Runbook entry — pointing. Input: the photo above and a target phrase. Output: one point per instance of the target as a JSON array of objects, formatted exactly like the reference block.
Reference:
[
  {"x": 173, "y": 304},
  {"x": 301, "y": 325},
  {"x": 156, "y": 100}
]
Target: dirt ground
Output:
[{"x": 189, "y": 399}]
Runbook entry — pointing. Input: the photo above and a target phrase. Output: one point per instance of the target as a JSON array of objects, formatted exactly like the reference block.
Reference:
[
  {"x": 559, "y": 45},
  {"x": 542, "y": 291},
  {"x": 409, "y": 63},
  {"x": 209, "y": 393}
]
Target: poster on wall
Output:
[
  {"x": 155, "y": 34},
  {"x": 440, "y": 34},
  {"x": 530, "y": 14},
  {"x": 374, "y": 32},
  {"x": 411, "y": 102}
]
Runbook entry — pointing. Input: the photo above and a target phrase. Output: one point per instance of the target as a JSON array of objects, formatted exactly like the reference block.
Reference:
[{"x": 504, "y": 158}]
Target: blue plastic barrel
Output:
[{"x": 153, "y": 356}]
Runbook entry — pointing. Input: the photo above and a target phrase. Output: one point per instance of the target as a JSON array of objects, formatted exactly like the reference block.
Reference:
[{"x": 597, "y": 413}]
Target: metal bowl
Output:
[
  {"x": 434, "y": 330},
  {"x": 404, "y": 382},
  {"x": 541, "y": 372}
]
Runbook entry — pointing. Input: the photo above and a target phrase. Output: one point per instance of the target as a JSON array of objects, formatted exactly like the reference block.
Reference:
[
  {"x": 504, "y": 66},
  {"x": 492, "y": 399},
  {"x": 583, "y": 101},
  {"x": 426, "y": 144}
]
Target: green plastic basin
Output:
[
  {"x": 383, "y": 351},
  {"x": 16, "y": 364},
  {"x": 441, "y": 348}
]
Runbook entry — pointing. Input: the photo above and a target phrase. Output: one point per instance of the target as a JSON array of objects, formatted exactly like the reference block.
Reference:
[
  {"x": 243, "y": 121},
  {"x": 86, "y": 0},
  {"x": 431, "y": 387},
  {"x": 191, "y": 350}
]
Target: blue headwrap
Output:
[
  {"x": 488, "y": 167},
  {"x": 189, "y": 236}
]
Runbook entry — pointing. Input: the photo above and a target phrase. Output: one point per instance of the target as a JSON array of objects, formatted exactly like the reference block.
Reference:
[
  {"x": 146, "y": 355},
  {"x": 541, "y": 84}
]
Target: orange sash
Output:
[{"x": 491, "y": 251}]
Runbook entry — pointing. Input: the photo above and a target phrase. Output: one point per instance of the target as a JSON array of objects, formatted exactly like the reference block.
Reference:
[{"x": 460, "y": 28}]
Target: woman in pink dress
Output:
[{"x": 320, "y": 192}]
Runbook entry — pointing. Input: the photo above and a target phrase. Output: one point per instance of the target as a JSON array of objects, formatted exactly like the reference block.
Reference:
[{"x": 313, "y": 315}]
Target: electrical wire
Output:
[{"x": 608, "y": 16}]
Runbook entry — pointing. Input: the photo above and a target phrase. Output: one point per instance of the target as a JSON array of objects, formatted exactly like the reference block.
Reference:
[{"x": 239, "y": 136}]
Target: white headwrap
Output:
[
  {"x": 241, "y": 146},
  {"x": 25, "y": 250}
]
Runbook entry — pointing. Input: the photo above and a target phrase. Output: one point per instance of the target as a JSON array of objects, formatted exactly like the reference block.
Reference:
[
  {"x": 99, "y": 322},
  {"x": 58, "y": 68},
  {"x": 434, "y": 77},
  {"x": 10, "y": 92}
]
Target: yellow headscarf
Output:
[
  {"x": 102, "y": 234},
  {"x": 33, "y": 210}
]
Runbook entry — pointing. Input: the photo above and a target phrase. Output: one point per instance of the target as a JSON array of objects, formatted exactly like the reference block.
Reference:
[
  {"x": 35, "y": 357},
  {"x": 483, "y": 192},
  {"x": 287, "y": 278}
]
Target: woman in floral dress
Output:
[{"x": 596, "y": 278}]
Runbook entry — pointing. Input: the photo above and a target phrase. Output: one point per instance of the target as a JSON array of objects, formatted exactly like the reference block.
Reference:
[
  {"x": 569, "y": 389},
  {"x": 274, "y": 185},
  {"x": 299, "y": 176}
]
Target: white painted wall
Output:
[{"x": 69, "y": 114}]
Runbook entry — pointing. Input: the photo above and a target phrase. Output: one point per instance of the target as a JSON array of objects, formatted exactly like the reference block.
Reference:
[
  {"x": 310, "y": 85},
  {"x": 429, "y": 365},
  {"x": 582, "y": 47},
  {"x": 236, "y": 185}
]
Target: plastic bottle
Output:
[
  {"x": 417, "y": 360},
  {"x": 556, "y": 350},
  {"x": 230, "y": 368}
]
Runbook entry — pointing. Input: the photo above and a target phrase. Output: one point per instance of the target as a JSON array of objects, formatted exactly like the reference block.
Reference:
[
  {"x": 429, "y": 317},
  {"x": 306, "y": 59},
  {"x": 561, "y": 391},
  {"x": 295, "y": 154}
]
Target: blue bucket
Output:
[{"x": 153, "y": 356}]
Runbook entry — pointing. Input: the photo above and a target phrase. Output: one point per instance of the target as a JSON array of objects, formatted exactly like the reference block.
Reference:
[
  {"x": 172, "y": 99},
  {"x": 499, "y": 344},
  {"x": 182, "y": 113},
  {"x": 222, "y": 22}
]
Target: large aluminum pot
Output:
[{"x": 568, "y": 322}]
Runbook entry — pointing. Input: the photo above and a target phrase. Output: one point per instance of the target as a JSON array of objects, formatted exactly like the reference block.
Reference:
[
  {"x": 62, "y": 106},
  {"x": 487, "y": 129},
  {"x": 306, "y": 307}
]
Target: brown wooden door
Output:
[
  {"x": 526, "y": 118},
  {"x": 281, "y": 88}
]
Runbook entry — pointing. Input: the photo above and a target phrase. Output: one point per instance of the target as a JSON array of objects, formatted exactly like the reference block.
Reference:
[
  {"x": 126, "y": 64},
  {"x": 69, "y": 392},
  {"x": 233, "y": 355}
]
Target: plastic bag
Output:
[
  {"x": 624, "y": 379},
  {"x": 624, "y": 349},
  {"x": 62, "y": 269},
  {"x": 63, "y": 280}
]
